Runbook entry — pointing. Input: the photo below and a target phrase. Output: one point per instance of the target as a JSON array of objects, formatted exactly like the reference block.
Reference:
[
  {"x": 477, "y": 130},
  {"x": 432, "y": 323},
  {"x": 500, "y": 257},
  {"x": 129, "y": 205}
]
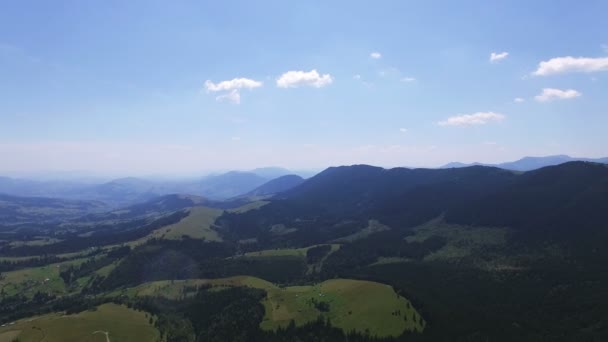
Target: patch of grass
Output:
[
  {"x": 174, "y": 289},
  {"x": 249, "y": 206},
  {"x": 462, "y": 241},
  {"x": 280, "y": 252},
  {"x": 373, "y": 226},
  {"x": 197, "y": 225},
  {"x": 17, "y": 259},
  {"x": 390, "y": 260},
  {"x": 39, "y": 241},
  {"x": 106, "y": 270},
  {"x": 281, "y": 229},
  {"x": 119, "y": 322},
  {"x": 352, "y": 304}
]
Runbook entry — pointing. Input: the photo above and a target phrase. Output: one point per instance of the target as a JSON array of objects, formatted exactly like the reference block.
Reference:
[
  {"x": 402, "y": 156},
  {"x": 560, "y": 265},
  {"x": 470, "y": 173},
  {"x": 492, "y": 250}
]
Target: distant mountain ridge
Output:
[
  {"x": 529, "y": 163},
  {"x": 123, "y": 192},
  {"x": 230, "y": 184},
  {"x": 276, "y": 186}
]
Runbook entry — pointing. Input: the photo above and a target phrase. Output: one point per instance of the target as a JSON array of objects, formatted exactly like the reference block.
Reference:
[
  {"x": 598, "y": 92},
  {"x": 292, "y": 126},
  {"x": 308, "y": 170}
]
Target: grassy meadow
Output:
[
  {"x": 109, "y": 322},
  {"x": 353, "y": 304},
  {"x": 28, "y": 281}
]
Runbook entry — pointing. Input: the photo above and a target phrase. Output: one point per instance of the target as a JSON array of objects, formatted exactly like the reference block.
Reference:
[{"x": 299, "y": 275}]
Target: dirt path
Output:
[{"x": 103, "y": 332}]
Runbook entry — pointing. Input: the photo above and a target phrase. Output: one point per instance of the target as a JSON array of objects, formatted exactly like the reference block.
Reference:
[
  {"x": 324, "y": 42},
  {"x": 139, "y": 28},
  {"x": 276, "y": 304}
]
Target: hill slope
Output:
[{"x": 276, "y": 186}]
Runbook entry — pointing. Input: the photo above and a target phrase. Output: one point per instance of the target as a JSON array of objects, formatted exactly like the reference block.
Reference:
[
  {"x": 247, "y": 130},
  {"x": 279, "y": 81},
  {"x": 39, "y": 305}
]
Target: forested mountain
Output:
[{"x": 571, "y": 194}]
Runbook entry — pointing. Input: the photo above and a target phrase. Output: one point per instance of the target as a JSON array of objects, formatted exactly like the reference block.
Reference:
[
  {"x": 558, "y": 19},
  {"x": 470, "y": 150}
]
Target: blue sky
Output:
[{"x": 136, "y": 87}]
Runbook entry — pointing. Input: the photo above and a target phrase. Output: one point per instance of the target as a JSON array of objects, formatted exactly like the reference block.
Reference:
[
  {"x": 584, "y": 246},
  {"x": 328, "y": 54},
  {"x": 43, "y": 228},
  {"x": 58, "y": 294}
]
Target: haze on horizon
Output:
[{"x": 137, "y": 87}]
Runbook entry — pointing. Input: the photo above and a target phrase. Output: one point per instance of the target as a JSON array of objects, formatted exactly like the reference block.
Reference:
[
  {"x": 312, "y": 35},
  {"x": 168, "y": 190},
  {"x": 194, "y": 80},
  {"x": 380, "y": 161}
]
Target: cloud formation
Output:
[
  {"x": 408, "y": 79},
  {"x": 236, "y": 83},
  {"x": 294, "y": 79},
  {"x": 231, "y": 88},
  {"x": 561, "y": 65},
  {"x": 551, "y": 94},
  {"x": 479, "y": 118},
  {"x": 233, "y": 96},
  {"x": 496, "y": 57},
  {"x": 519, "y": 100},
  {"x": 375, "y": 55},
  {"x": 403, "y": 130}
]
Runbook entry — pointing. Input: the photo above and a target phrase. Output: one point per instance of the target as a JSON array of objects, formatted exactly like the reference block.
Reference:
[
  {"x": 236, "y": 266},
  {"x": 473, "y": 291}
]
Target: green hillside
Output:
[{"x": 108, "y": 322}]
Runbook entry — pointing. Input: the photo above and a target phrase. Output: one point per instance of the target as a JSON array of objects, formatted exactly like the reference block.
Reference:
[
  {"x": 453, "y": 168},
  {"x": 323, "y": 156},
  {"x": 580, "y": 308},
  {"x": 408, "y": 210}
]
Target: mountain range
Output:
[
  {"x": 257, "y": 182},
  {"x": 130, "y": 190},
  {"x": 530, "y": 163}
]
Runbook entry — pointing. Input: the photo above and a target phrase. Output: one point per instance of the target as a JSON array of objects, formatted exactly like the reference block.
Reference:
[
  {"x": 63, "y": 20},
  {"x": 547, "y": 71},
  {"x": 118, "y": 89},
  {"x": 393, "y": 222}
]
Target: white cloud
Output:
[
  {"x": 550, "y": 94},
  {"x": 403, "y": 130},
  {"x": 236, "y": 83},
  {"x": 294, "y": 79},
  {"x": 519, "y": 100},
  {"x": 375, "y": 55},
  {"x": 357, "y": 77},
  {"x": 233, "y": 96},
  {"x": 231, "y": 88},
  {"x": 496, "y": 57},
  {"x": 479, "y": 118},
  {"x": 562, "y": 65},
  {"x": 408, "y": 79}
]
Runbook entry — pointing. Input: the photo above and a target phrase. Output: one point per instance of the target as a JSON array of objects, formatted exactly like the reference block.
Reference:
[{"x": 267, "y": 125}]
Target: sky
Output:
[{"x": 134, "y": 87}]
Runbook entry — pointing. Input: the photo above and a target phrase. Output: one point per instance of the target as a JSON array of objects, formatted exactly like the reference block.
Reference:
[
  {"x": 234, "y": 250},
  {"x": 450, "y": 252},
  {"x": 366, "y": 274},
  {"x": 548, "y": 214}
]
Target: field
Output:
[
  {"x": 249, "y": 206},
  {"x": 30, "y": 280},
  {"x": 38, "y": 241},
  {"x": 109, "y": 322},
  {"x": 174, "y": 289},
  {"x": 352, "y": 304},
  {"x": 197, "y": 225},
  {"x": 286, "y": 252}
]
